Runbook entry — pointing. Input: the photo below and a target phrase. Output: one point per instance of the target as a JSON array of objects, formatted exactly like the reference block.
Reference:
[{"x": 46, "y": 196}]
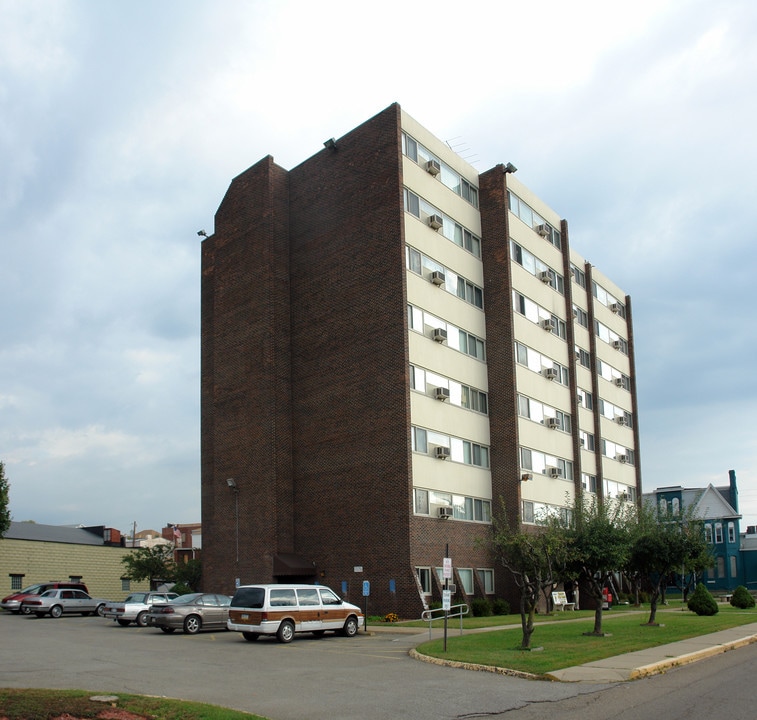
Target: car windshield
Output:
[
  {"x": 186, "y": 599},
  {"x": 135, "y": 598},
  {"x": 49, "y": 593},
  {"x": 31, "y": 590}
]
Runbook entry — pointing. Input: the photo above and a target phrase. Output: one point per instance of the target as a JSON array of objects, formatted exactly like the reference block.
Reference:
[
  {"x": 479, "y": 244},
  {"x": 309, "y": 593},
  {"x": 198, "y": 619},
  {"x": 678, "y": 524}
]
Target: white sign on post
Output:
[
  {"x": 447, "y": 568},
  {"x": 446, "y": 600}
]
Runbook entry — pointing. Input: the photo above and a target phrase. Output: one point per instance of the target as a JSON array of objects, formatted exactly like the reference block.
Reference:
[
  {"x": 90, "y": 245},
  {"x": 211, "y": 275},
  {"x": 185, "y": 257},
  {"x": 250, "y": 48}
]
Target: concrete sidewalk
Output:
[
  {"x": 619, "y": 668},
  {"x": 632, "y": 666}
]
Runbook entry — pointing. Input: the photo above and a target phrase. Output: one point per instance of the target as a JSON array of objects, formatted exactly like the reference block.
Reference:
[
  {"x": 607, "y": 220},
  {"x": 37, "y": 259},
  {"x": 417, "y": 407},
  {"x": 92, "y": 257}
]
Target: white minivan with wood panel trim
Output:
[{"x": 283, "y": 610}]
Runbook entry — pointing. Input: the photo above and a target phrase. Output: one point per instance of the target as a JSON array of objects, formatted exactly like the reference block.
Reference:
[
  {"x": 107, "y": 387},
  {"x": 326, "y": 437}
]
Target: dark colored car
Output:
[
  {"x": 13, "y": 602},
  {"x": 191, "y": 613}
]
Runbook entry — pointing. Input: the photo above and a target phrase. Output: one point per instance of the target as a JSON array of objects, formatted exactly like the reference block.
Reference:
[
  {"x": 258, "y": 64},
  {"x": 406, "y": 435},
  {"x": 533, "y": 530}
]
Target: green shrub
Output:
[
  {"x": 741, "y": 598},
  {"x": 182, "y": 589},
  {"x": 500, "y": 607},
  {"x": 701, "y": 602},
  {"x": 481, "y": 607}
]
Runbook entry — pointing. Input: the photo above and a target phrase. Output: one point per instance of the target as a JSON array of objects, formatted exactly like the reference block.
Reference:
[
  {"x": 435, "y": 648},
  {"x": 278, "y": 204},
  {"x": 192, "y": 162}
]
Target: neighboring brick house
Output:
[
  {"x": 31, "y": 553},
  {"x": 393, "y": 346},
  {"x": 718, "y": 507}
]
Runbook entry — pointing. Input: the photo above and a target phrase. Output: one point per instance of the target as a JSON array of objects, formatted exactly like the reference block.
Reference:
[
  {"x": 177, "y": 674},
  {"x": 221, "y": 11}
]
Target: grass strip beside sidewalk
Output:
[{"x": 565, "y": 645}]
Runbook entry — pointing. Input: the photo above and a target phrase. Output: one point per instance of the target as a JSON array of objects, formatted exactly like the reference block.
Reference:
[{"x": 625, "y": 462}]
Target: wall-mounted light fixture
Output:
[
  {"x": 510, "y": 168},
  {"x": 330, "y": 144},
  {"x": 202, "y": 233}
]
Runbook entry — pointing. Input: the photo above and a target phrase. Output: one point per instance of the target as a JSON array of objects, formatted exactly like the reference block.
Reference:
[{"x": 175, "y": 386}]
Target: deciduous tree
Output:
[
  {"x": 151, "y": 563},
  {"x": 5, "y": 513}
]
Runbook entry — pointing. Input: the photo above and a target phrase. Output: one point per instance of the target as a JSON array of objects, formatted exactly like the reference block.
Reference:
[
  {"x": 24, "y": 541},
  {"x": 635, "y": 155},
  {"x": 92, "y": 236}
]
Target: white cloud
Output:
[{"x": 633, "y": 121}]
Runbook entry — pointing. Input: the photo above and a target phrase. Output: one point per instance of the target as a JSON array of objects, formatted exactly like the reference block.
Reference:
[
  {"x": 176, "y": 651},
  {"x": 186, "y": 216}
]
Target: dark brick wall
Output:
[
  {"x": 500, "y": 349},
  {"x": 350, "y": 358},
  {"x": 246, "y": 395}
]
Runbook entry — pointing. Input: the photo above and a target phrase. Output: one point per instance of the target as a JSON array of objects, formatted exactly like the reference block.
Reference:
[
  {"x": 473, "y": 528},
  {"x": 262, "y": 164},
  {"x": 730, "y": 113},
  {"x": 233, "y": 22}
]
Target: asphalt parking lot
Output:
[{"x": 369, "y": 676}]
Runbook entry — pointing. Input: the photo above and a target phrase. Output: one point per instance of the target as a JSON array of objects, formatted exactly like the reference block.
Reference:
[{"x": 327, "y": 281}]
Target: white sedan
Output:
[{"x": 57, "y": 602}]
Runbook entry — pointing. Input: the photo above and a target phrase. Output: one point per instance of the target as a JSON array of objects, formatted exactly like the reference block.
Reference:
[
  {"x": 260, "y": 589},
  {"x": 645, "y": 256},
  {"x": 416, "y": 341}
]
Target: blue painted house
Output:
[{"x": 718, "y": 507}]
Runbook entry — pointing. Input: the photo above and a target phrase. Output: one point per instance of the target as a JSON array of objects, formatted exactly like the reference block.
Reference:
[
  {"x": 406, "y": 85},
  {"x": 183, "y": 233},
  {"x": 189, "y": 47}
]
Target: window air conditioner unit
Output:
[
  {"x": 550, "y": 373},
  {"x": 617, "y": 344},
  {"x": 614, "y": 307},
  {"x": 553, "y": 472},
  {"x": 545, "y": 277},
  {"x": 442, "y": 453},
  {"x": 618, "y": 382},
  {"x": 441, "y": 393},
  {"x": 622, "y": 458},
  {"x": 445, "y": 512},
  {"x": 553, "y": 423},
  {"x": 582, "y": 441},
  {"x": 438, "y": 278},
  {"x": 435, "y": 221},
  {"x": 440, "y": 335},
  {"x": 544, "y": 230},
  {"x": 621, "y": 420},
  {"x": 547, "y": 324},
  {"x": 433, "y": 167},
  {"x": 579, "y": 400},
  {"x": 578, "y": 354}
]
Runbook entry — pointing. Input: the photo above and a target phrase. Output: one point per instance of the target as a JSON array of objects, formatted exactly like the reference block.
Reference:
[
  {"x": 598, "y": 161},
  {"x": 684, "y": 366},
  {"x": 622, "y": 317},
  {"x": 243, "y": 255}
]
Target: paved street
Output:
[{"x": 331, "y": 678}]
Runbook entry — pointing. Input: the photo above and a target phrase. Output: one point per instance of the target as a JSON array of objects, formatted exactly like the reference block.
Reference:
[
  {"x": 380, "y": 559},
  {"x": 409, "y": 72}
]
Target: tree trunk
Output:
[
  {"x": 527, "y": 625},
  {"x": 653, "y": 604}
]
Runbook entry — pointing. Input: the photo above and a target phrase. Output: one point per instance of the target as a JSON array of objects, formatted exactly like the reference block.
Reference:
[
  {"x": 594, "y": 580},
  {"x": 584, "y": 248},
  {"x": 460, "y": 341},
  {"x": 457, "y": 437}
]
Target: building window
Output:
[
  {"x": 610, "y": 337},
  {"x": 537, "y": 268},
  {"x": 589, "y": 483},
  {"x": 544, "y": 414},
  {"x": 708, "y": 533},
  {"x": 718, "y": 535},
  {"x": 586, "y": 440},
  {"x": 525, "y": 213},
  {"x": 454, "y": 284},
  {"x": 539, "y": 315},
  {"x": 732, "y": 558},
  {"x": 426, "y": 381},
  {"x": 721, "y": 566},
  {"x": 544, "y": 464},
  {"x": 581, "y": 316},
  {"x": 419, "y": 439},
  {"x": 17, "y": 582},
  {"x": 449, "y": 177},
  {"x": 608, "y": 300},
  {"x": 421, "y": 501},
  {"x": 538, "y": 363},
  {"x": 462, "y": 451},
  {"x": 125, "y": 584},
  {"x": 583, "y": 357},
  {"x": 453, "y": 231},
  {"x": 579, "y": 276},
  {"x": 731, "y": 533},
  {"x": 466, "y": 580},
  {"x": 586, "y": 399},
  {"x": 424, "y": 579},
  {"x": 486, "y": 578}
]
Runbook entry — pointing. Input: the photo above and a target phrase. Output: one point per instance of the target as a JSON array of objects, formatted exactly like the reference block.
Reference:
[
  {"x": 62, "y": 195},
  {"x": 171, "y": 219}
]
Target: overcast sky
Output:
[{"x": 123, "y": 123}]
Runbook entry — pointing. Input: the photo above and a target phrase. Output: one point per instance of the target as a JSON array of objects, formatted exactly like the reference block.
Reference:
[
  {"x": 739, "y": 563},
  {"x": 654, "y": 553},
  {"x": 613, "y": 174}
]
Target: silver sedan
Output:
[
  {"x": 191, "y": 613},
  {"x": 57, "y": 602}
]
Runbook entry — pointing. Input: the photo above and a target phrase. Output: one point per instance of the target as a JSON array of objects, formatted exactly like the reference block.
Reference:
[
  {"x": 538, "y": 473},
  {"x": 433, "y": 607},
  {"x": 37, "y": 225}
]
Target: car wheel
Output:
[
  {"x": 285, "y": 632},
  {"x": 251, "y": 637},
  {"x": 56, "y": 611},
  {"x": 167, "y": 630},
  {"x": 25, "y": 610},
  {"x": 142, "y": 619},
  {"x": 124, "y": 623},
  {"x": 350, "y": 627},
  {"x": 100, "y": 609},
  {"x": 192, "y": 625},
  {"x": 40, "y": 615}
]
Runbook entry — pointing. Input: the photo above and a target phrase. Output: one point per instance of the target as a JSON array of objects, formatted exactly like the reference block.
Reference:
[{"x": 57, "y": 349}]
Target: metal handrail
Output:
[{"x": 462, "y": 609}]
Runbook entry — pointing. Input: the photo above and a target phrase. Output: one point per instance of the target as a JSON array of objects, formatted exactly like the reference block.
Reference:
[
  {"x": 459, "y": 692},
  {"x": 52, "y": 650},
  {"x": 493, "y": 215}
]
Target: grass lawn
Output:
[
  {"x": 564, "y": 644},
  {"x": 44, "y": 704}
]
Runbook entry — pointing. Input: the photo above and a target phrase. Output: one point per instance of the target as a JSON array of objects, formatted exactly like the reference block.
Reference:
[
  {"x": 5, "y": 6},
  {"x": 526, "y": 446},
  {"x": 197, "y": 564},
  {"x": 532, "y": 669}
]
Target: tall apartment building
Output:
[{"x": 395, "y": 349}]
